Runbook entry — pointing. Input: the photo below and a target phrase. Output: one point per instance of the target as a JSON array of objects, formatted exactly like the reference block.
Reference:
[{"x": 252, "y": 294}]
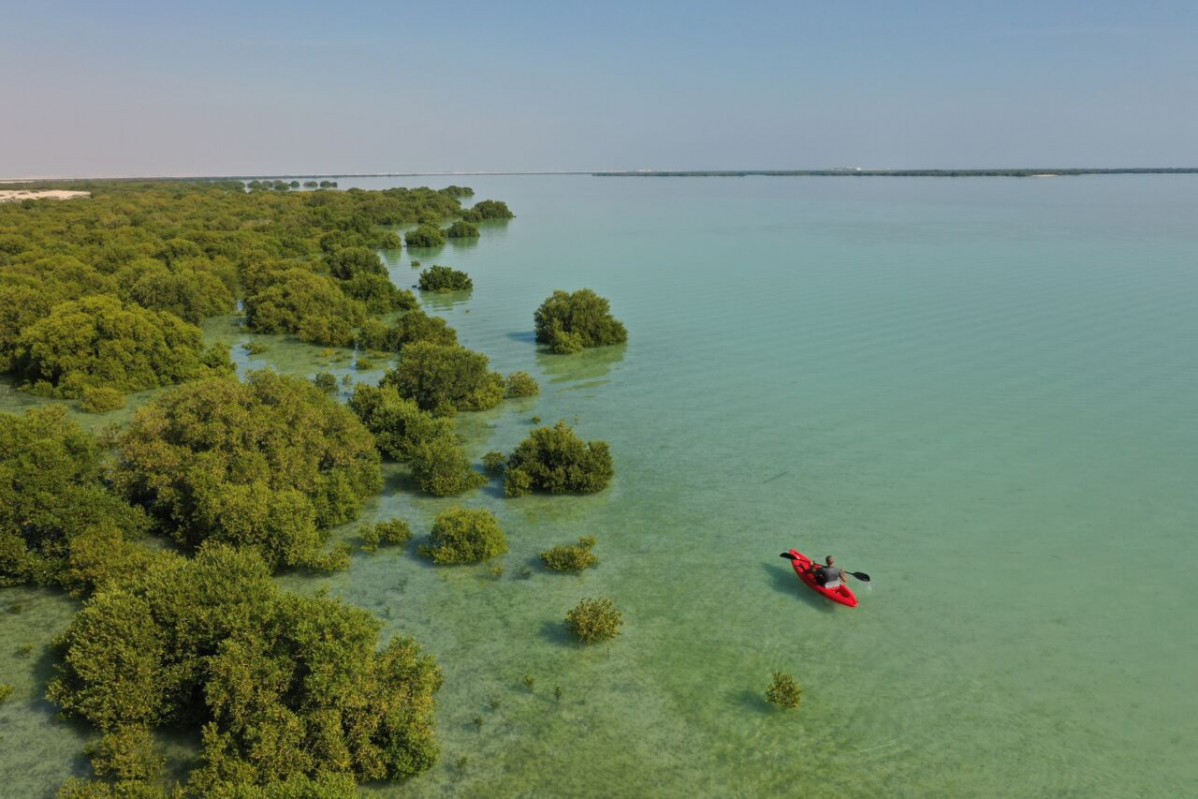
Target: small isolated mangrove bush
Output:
[
  {"x": 462, "y": 535},
  {"x": 594, "y": 620},
  {"x": 522, "y": 384},
  {"x": 487, "y": 209},
  {"x": 572, "y": 558},
  {"x": 570, "y": 323},
  {"x": 393, "y": 532},
  {"x": 443, "y": 278},
  {"x": 461, "y": 229},
  {"x": 784, "y": 691},
  {"x": 556, "y": 460}
]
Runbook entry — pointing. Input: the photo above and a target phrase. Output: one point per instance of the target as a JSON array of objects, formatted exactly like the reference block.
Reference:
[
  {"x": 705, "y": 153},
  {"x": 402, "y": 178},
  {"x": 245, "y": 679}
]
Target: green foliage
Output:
[
  {"x": 572, "y": 322},
  {"x": 374, "y": 335},
  {"x": 594, "y": 620},
  {"x": 326, "y": 382},
  {"x": 98, "y": 341},
  {"x": 413, "y": 326},
  {"x": 784, "y": 691},
  {"x": 363, "y": 364},
  {"x": 370, "y": 539},
  {"x": 441, "y": 468},
  {"x": 126, "y": 754},
  {"x": 101, "y": 400},
  {"x": 398, "y": 424},
  {"x": 394, "y": 532},
  {"x": 378, "y": 294},
  {"x": 426, "y": 235},
  {"x": 445, "y": 379},
  {"x": 292, "y": 694},
  {"x": 5, "y": 692},
  {"x": 255, "y": 347},
  {"x": 491, "y": 209},
  {"x": 58, "y": 522},
  {"x": 269, "y": 464},
  {"x": 556, "y": 460},
  {"x": 406, "y": 433},
  {"x": 572, "y": 558},
  {"x": 460, "y": 535},
  {"x": 190, "y": 288},
  {"x": 522, "y": 384},
  {"x": 494, "y": 462},
  {"x": 461, "y": 229},
  {"x": 305, "y": 304},
  {"x": 417, "y": 326},
  {"x": 444, "y": 279},
  {"x": 349, "y": 262}
]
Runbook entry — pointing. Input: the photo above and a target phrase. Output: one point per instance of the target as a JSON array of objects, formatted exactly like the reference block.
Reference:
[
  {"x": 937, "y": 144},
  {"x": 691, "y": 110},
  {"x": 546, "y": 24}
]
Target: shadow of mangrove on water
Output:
[
  {"x": 590, "y": 364},
  {"x": 525, "y": 336},
  {"x": 752, "y": 701},
  {"x": 555, "y": 632},
  {"x": 787, "y": 582}
]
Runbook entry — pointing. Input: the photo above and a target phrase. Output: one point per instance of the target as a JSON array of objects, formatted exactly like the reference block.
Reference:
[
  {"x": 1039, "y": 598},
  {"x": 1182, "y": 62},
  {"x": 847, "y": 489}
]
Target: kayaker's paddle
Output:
[{"x": 862, "y": 576}]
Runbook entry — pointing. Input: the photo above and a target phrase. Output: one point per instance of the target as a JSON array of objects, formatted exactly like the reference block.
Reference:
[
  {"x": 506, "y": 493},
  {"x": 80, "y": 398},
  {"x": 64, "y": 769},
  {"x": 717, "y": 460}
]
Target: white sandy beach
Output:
[{"x": 13, "y": 196}]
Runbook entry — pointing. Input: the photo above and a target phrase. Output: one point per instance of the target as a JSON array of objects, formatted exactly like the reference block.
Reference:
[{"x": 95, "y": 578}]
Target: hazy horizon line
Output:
[{"x": 781, "y": 172}]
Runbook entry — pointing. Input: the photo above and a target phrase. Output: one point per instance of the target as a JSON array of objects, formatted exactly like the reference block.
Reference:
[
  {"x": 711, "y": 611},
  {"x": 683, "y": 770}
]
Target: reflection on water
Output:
[
  {"x": 444, "y": 300},
  {"x": 463, "y": 244},
  {"x": 586, "y": 369}
]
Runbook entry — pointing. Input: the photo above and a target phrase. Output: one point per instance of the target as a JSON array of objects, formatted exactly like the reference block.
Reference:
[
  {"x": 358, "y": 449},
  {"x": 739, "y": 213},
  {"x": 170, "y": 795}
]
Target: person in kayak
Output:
[{"x": 828, "y": 575}]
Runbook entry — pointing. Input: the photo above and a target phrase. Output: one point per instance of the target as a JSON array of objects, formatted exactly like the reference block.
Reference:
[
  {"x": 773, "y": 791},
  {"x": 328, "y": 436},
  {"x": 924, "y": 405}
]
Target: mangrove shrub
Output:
[
  {"x": 461, "y": 535},
  {"x": 445, "y": 379},
  {"x": 408, "y": 434},
  {"x": 488, "y": 209},
  {"x": 101, "y": 342},
  {"x": 556, "y": 460},
  {"x": 444, "y": 278},
  {"x": 311, "y": 306},
  {"x": 572, "y": 322},
  {"x": 594, "y": 620},
  {"x": 426, "y": 235},
  {"x": 284, "y": 691},
  {"x": 571, "y": 558},
  {"x": 522, "y": 384},
  {"x": 269, "y": 464},
  {"x": 461, "y": 229},
  {"x": 59, "y": 523},
  {"x": 784, "y": 691}
]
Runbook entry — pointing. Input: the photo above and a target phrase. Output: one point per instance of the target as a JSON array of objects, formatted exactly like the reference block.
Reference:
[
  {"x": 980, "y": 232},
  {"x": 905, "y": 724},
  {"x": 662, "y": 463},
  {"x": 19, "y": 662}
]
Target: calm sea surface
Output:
[{"x": 983, "y": 392}]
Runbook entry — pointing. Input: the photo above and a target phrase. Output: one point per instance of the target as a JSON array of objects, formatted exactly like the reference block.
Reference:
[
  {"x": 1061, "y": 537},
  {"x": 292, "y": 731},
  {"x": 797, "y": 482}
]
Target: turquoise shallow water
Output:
[{"x": 980, "y": 391}]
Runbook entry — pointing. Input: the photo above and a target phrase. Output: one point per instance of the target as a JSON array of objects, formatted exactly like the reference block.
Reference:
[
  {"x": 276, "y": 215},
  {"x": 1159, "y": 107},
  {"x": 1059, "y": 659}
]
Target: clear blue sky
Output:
[{"x": 108, "y": 88}]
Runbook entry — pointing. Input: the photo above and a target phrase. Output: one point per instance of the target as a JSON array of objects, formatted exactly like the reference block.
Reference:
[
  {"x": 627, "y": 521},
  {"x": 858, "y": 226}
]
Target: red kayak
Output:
[{"x": 842, "y": 594}]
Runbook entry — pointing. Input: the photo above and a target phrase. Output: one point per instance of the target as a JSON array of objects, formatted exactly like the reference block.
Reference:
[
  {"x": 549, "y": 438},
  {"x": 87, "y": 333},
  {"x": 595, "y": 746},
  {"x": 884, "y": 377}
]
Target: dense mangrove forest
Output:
[{"x": 171, "y": 527}]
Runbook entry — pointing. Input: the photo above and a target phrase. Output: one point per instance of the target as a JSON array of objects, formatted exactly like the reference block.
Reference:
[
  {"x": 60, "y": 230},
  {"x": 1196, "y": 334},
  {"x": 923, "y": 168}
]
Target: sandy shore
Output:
[{"x": 17, "y": 196}]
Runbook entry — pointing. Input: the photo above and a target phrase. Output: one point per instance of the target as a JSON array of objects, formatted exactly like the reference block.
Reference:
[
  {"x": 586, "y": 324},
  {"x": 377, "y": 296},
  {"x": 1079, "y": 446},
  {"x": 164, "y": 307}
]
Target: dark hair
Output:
[{"x": 829, "y": 560}]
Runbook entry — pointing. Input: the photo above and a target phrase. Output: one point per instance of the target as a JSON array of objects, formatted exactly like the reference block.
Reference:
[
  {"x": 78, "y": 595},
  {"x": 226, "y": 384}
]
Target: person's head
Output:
[{"x": 829, "y": 560}]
